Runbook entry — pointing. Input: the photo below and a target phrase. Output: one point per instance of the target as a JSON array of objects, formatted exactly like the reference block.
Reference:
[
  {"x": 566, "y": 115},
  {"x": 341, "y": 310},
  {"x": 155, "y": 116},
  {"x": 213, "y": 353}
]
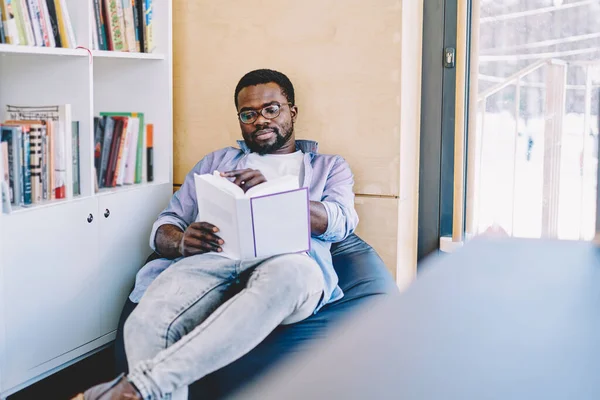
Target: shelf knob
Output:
[
  {"x": 90, "y": 218},
  {"x": 106, "y": 213}
]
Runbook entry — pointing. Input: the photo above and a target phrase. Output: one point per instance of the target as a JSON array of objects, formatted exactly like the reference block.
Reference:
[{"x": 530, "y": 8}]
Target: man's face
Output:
[{"x": 265, "y": 135}]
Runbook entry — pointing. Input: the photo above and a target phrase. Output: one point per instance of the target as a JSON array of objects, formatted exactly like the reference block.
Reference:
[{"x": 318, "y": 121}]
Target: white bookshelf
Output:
[{"x": 67, "y": 266}]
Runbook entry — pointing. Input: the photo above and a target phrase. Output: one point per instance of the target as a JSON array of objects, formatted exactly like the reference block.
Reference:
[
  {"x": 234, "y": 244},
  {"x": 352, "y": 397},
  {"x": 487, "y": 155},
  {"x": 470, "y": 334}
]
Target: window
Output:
[{"x": 532, "y": 137}]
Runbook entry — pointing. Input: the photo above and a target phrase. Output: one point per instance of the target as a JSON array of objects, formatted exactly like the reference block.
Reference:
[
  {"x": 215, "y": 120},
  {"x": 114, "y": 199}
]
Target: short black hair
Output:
[{"x": 262, "y": 76}]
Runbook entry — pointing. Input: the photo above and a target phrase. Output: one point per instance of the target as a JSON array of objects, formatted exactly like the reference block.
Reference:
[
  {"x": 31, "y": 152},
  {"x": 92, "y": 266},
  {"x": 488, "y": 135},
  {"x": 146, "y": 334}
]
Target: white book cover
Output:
[
  {"x": 95, "y": 39},
  {"x": 68, "y": 25},
  {"x": 269, "y": 219},
  {"x": 63, "y": 138},
  {"x": 34, "y": 14},
  {"x": 132, "y": 150}
]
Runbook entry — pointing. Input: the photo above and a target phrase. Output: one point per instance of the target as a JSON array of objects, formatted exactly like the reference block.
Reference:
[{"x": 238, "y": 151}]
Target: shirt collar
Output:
[{"x": 306, "y": 146}]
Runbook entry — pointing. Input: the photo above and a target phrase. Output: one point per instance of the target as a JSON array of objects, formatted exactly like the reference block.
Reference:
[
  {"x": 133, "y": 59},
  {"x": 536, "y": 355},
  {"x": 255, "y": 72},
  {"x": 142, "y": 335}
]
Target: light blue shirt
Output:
[{"x": 329, "y": 180}]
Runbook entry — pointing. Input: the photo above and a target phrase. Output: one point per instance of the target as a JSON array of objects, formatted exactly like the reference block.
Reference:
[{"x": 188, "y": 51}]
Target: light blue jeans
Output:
[{"x": 194, "y": 319}]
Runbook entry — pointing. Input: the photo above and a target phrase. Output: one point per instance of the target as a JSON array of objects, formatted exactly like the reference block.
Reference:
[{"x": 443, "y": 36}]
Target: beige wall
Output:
[{"x": 345, "y": 60}]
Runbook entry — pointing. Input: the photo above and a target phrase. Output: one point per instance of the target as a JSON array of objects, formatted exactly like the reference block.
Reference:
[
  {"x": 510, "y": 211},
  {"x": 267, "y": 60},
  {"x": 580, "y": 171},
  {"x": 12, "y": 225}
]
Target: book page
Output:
[
  {"x": 283, "y": 184},
  {"x": 218, "y": 207},
  {"x": 223, "y": 184},
  {"x": 281, "y": 223}
]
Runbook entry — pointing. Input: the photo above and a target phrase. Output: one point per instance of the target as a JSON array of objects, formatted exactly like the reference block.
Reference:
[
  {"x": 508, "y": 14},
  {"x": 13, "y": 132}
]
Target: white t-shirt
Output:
[{"x": 274, "y": 166}]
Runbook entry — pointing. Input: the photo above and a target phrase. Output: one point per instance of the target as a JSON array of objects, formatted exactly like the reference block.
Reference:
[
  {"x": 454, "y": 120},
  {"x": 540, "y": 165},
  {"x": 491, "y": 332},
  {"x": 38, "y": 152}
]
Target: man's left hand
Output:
[{"x": 245, "y": 178}]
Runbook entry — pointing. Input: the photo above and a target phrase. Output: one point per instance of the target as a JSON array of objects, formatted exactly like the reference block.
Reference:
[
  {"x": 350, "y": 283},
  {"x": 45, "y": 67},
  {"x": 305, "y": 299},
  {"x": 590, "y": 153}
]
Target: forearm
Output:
[
  {"x": 318, "y": 218},
  {"x": 168, "y": 241}
]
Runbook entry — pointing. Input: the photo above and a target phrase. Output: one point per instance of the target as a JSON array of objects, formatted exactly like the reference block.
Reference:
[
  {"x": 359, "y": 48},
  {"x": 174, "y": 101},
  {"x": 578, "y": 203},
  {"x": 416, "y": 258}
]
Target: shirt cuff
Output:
[{"x": 332, "y": 233}]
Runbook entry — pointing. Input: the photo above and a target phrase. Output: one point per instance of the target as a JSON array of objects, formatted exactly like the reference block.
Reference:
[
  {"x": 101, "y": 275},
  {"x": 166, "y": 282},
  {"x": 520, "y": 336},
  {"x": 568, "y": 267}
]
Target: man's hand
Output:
[
  {"x": 245, "y": 178},
  {"x": 198, "y": 238}
]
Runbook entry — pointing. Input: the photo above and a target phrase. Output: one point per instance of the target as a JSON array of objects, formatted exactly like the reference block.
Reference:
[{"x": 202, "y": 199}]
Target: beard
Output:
[{"x": 280, "y": 140}]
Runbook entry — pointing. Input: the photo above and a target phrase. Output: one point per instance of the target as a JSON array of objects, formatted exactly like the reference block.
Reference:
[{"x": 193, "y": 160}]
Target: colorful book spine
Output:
[
  {"x": 26, "y": 166},
  {"x": 5, "y": 192},
  {"x": 13, "y": 136},
  {"x": 46, "y": 24},
  {"x": 51, "y": 132},
  {"x": 99, "y": 123},
  {"x": 62, "y": 27},
  {"x": 109, "y": 128},
  {"x": 45, "y": 190},
  {"x": 15, "y": 5},
  {"x": 120, "y": 153},
  {"x": 136, "y": 25},
  {"x": 11, "y": 31},
  {"x": 28, "y": 25},
  {"x": 53, "y": 16},
  {"x": 150, "y": 152},
  {"x": 2, "y": 32},
  {"x": 139, "y": 6},
  {"x": 100, "y": 27},
  {"x": 35, "y": 162},
  {"x": 36, "y": 26},
  {"x": 114, "y": 151},
  {"x": 129, "y": 25},
  {"x": 149, "y": 36},
  {"x": 114, "y": 25}
]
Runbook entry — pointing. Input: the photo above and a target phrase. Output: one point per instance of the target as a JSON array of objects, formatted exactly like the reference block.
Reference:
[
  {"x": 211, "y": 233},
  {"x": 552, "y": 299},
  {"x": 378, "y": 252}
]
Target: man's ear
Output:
[{"x": 294, "y": 112}]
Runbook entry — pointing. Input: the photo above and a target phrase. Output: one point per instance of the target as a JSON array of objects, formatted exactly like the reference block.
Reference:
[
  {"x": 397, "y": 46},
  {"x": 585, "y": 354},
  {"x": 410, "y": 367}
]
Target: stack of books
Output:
[
  {"x": 122, "y": 147},
  {"x": 44, "y": 23},
  {"x": 40, "y": 154},
  {"x": 122, "y": 25}
]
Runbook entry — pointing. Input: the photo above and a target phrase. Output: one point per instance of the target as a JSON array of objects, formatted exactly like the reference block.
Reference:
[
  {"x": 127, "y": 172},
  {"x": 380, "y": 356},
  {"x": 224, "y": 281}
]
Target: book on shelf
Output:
[
  {"x": 44, "y": 23},
  {"x": 120, "y": 149},
  {"x": 269, "y": 219},
  {"x": 150, "y": 152},
  {"x": 4, "y": 179},
  {"x": 122, "y": 25},
  {"x": 43, "y": 153}
]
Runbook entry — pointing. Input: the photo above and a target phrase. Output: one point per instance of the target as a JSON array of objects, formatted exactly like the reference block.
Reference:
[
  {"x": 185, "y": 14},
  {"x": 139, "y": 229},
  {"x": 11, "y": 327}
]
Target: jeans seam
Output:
[
  {"x": 219, "y": 310},
  {"x": 187, "y": 306}
]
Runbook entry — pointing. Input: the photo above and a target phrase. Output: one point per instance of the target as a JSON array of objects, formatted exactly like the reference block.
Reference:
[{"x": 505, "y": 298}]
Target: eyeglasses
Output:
[{"x": 269, "y": 112}]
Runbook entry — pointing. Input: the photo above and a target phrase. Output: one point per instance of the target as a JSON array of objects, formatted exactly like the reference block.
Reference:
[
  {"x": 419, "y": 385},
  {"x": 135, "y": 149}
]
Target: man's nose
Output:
[{"x": 261, "y": 120}]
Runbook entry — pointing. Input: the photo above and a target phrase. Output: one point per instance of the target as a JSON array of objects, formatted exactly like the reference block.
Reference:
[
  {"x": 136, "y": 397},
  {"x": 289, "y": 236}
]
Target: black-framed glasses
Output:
[{"x": 271, "y": 111}]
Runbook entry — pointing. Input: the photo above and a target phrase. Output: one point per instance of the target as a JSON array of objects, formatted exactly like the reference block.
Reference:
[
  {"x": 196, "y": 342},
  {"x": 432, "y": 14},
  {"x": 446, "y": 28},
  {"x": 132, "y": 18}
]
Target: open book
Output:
[{"x": 269, "y": 219}]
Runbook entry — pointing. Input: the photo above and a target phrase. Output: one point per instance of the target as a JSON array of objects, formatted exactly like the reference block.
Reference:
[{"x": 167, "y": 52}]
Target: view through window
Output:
[{"x": 533, "y": 129}]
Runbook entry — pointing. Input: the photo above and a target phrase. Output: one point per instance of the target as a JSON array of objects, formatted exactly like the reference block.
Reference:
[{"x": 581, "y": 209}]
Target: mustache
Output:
[{"x": 262, "y": 128}]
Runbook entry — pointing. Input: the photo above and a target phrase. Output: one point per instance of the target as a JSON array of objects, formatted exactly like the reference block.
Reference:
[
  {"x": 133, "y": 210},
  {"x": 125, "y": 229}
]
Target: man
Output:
[{"x": 199, "y": 311}]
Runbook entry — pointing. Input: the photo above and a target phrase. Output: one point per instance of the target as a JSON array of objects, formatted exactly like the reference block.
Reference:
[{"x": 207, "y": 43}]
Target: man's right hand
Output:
[{"x": 199, "y": 238}]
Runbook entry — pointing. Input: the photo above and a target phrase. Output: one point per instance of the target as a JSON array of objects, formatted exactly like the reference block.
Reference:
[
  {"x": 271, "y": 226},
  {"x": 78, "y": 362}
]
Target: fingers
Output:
[
  {"x": 192, "y": 246},
  {"x": 245, "y": 176},
  {"x": 205, "y": 236},
  {"x": 253, "y": 182},
  {"x": 200, "y": 238},
  {"x": 234, "y": 173},
  {"x": 204, "y": 226}
]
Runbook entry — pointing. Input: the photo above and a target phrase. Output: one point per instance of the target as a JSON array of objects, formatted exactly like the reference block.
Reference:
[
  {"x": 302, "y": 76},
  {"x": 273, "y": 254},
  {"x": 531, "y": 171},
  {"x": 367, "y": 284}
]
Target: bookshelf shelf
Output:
[
  {"x": 131, "y": 56},
  {"x": 128, "y": 188},
  {"x": 44, "y": 51},
  {"x": 45, "y": 204},
  {"x": 59, "y": 268}
]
